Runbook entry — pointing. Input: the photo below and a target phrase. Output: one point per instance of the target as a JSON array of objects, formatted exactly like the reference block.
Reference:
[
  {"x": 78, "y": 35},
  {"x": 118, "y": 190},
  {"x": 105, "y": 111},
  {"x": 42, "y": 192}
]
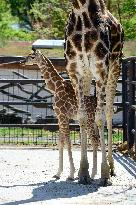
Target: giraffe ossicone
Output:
[
  {"x": 65, "y": 107},
  {"x": 93, "y": 49}
]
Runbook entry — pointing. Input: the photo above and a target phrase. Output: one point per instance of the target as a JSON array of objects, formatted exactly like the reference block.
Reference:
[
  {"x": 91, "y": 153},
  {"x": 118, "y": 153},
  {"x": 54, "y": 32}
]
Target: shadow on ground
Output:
[
  {"x": 53, "y": 190},
  {"x": 127, "y": 163}
]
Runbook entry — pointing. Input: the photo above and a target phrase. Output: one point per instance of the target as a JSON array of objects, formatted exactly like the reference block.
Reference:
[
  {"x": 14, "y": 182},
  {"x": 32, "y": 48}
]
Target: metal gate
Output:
[
  {"x": 26, "y": 114},
  {"x": 129, "y": 100}
]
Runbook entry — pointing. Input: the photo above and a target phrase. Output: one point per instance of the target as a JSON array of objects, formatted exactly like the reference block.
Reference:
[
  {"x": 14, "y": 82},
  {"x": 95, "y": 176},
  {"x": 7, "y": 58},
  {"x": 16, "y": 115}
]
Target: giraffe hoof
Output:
[
  {"x": 76, "y": 178},
  {"x": 70, "y": 179},
  {"x": 56, "y": 177},
  {"x": 84, "y": 180},
  {"x": 104, "y": 182},
  {"x": 112, "y": 173}
]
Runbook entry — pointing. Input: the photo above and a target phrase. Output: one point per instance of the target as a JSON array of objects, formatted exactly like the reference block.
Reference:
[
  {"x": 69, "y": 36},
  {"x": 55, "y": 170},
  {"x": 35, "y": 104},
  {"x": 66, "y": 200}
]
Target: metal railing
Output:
[
  {"x": 26, "y": 111},
  {"x": 129, "y": 101}
]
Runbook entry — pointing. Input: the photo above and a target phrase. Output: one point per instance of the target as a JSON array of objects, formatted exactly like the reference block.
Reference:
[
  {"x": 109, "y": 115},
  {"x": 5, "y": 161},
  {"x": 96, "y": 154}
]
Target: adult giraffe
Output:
[{"x": 93, "y": 49}]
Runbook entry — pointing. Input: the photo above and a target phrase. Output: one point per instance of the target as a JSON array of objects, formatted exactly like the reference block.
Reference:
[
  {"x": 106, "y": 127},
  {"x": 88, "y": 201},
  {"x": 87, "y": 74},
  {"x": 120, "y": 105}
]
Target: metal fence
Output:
[
  {"x": 26, "y": 114},
  {"x": 129, "y": 101}
]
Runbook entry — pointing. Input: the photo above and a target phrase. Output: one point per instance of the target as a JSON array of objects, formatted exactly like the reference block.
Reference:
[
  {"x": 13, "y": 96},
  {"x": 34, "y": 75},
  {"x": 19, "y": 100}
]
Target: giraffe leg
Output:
[
  {"x": 83, "y": 174},
  {"x": 110, "y": 94},
  {"x": 100, "y": 121},
  {"x": 68, "y": 143},
  {"x": 109, "y": 115},
  {"x": 61, "y": 146},
  {"x": 109, "y": 127},
  {"x": 95, "y": 143},
  {"x": 72, "y": 168},
  {"x": 94, "y": 137},
  {"x": 94, "y": 169}
]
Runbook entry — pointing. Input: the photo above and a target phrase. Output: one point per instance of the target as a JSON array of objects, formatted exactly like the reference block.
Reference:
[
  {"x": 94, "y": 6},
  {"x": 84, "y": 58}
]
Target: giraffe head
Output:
[{"x": 33, "y": 57}]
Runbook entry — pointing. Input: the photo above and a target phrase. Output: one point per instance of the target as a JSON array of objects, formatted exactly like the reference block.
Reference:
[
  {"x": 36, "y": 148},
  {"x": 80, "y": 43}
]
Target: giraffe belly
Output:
[{"x": 87, "y": 67}]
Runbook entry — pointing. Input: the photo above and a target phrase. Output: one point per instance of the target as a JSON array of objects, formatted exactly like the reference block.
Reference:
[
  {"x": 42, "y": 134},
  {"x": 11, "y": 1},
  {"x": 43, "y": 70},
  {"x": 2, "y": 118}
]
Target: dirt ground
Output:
[
  {"x": 26, "y": 178},
  {"x": 21, "y": 48}
]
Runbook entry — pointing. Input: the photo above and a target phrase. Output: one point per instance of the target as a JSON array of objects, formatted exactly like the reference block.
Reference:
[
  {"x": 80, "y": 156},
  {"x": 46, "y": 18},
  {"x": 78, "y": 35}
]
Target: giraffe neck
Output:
[
  {"x": 52, "y": 78},
  {"x": 89, "y": 5}
]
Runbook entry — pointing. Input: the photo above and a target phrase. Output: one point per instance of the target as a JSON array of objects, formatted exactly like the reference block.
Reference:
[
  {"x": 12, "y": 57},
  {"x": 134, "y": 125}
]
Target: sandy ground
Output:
[{"x": 26, "y": 178}]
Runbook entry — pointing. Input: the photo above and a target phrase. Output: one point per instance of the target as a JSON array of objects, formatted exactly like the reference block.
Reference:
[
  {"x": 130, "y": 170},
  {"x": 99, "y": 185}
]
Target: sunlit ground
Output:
[{"x": 24, "y": 48}]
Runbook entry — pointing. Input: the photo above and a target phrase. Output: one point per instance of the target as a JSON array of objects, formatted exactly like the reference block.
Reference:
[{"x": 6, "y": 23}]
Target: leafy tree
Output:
[
  {"x": 50, "y": 18},
  {"x": 128, "y": 13},
  {"x": 125, "y": 11},
  {"x": 47, "y": 18},
  {"x": 5, "y": 21},
  {"x": 20, "y": 9}
]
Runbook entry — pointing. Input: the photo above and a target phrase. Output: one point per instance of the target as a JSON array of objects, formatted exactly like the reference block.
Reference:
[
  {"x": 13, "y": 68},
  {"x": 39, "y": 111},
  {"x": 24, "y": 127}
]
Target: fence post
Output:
[
  {"x": 124, "y": 98},
  {"x": 131, "y": 98}
]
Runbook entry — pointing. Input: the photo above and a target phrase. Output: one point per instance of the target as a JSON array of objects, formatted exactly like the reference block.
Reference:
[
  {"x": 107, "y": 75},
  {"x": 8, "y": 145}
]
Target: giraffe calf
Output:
[{"x": 65, "y": 107}]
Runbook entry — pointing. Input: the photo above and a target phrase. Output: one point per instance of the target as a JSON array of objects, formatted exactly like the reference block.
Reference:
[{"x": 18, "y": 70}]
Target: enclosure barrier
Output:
[
  {"x": 26, "y": 113},
  {"x": 129, "y": 101}
]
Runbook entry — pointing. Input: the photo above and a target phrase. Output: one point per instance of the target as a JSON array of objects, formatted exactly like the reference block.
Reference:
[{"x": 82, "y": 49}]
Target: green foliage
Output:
[
  {"x": 20, "y": 9},
  {"x": 125, "y": 10},
  {"x": 129, "y": 18},
  {"x": 21, "y": 35},
  {"x": 6, "y": 22},
  {"x": 5, "y": 15},
  {"x": 50, "y": 18}
]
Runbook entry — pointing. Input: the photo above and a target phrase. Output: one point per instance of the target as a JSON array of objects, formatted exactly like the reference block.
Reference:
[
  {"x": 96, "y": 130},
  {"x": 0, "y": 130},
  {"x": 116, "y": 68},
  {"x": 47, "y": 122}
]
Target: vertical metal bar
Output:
[
  {"x": 16, "y": 135},
  {"x": 22, "y": 134},
  {"x": 9, "y": 134},
  {"x": 124, "y": 98},
  {"x": 41, "y": 135},
  {"x": 135, "y": 134},
  {"x": 33, "y": 137},
  {"x": 131, "y": 99}
]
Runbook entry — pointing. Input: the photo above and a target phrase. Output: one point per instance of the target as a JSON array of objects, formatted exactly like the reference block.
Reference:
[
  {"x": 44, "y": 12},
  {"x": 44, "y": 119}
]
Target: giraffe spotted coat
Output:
[
  {"x": 93, "y": 49},
  {"x": 65, "y": 107}
]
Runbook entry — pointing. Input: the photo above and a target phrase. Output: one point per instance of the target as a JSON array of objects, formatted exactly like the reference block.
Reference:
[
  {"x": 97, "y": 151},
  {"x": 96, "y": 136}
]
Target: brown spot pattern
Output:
[
  {"x": 82, "y": 2},
  {"x": 70, "y": 26},
  {"x": 100, "y": 51},
  {"x": 101, "y": 73},
  {"x": 70, "y": 52},
  {"x": 94, "y": 13},
  {"x": 90, "y": 37},
  {"x": 113, "y": 28},
  {"x": 114, "y": 56},
  {"x": 46, "y": 75},
  {"x": 77, "y": 40},
  {"x": 51, "y": 85},
  {"x": 58, "y": 83},
  {"x": 114, "y": 40},
  {"x": 118, "y": 48},
  {"x": 98, "y": 83},
  {"x": 75, "y": 4},
  {"x": 104, "y": 36},
  {"x": 87, "y": 22},
  {"x": 72, "y": 67},
  {"x": 79, "y": 24}
]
